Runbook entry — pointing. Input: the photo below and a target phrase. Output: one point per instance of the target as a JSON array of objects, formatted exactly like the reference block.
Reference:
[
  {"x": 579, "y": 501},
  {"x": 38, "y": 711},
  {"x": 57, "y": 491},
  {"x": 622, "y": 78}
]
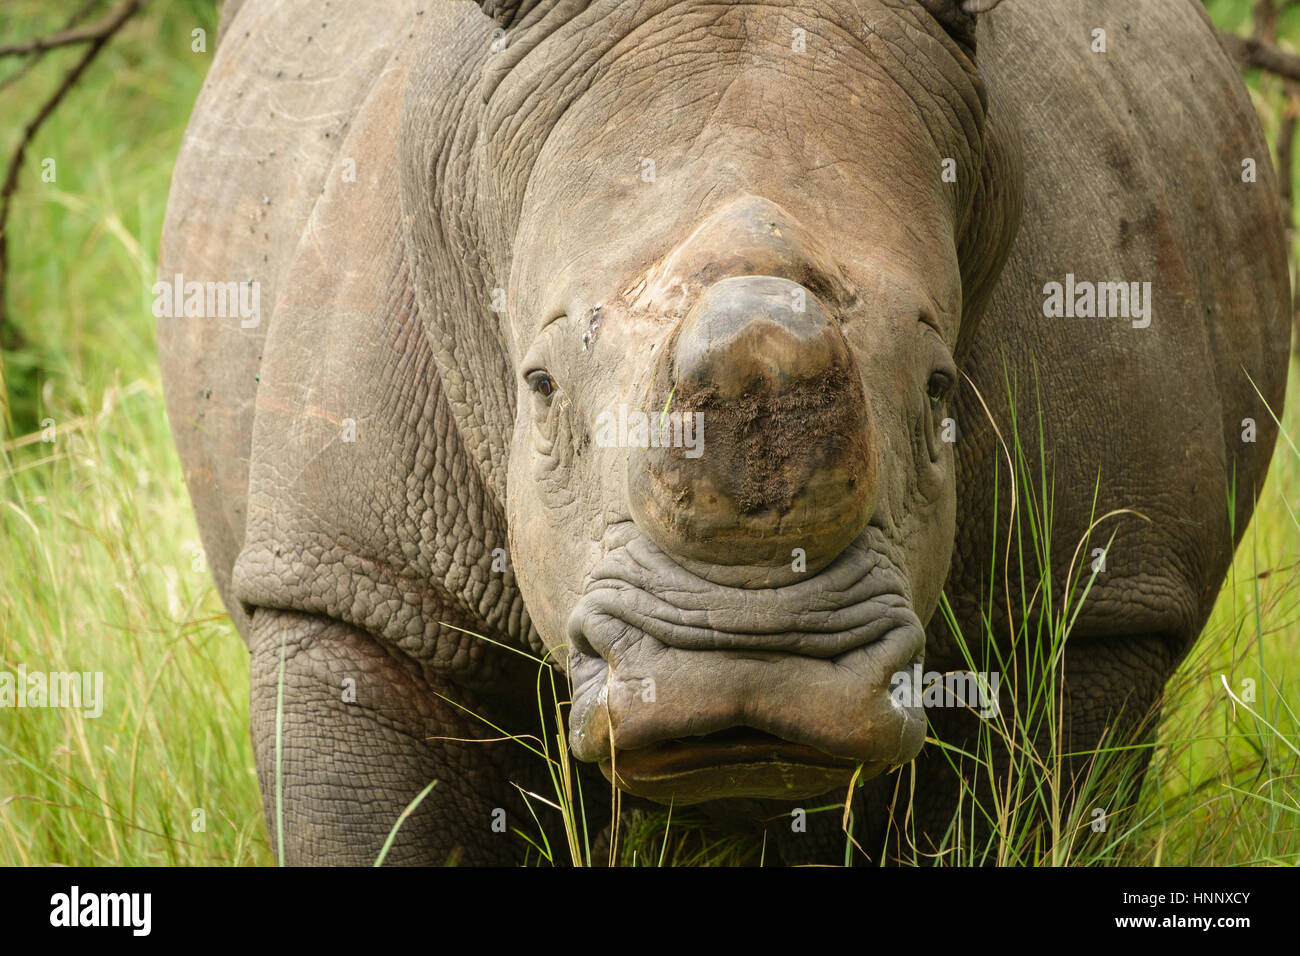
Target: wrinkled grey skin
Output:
[{"x": 521, "y": 170}]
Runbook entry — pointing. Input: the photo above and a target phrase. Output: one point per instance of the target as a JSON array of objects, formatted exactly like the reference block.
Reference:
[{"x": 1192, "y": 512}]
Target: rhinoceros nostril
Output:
[{"x": 787, "y": 460}]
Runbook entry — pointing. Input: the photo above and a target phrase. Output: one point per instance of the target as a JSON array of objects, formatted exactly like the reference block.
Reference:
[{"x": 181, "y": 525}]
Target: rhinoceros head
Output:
[{"x": 737, "y": 251}]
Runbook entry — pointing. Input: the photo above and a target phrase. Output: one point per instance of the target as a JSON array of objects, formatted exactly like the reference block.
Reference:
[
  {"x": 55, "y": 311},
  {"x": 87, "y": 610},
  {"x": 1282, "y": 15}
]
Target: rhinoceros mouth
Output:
[
  {"x": 738, "y": 763},
  {"x": 687, "y": 690}
]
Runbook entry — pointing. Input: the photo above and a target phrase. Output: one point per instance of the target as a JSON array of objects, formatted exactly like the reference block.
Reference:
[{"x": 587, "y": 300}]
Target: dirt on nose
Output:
[{"x": 786, "y": 459}]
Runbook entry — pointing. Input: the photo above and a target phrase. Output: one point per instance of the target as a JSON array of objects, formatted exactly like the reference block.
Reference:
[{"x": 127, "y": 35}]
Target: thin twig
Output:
[
  {"x": 30, "y": 62},
  {"x": 87, "y": 34},
  {"x": 1253, "y": 52},
  {"x": 97, "y": 40}
]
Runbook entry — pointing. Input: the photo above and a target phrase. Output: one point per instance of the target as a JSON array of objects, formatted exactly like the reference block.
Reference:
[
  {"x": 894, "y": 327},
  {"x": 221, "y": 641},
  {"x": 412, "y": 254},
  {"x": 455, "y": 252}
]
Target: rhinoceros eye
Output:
[
  {"x": 542, "y": 384},
  {"x": 939, "y": 386}
]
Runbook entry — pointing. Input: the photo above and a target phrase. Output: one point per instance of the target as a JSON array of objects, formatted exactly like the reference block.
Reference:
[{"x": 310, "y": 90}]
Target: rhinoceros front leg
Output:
[{"x": 362, "y": 734}]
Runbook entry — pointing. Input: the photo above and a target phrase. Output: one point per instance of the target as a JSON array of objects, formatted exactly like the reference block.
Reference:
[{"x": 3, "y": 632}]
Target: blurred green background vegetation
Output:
[{"x": 100, "y": 568}]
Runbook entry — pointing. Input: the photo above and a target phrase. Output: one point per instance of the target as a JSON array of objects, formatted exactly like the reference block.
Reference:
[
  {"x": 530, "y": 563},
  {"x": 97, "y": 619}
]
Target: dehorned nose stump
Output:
[{"x": 786, "y": 459}]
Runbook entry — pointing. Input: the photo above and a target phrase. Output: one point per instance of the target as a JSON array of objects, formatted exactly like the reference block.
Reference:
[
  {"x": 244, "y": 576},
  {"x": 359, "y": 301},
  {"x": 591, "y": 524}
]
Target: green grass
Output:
[
  {"x": 1225, "y": 784},
  {"x": 98, "y": 571},
  {"x": 97, "y": 540}
]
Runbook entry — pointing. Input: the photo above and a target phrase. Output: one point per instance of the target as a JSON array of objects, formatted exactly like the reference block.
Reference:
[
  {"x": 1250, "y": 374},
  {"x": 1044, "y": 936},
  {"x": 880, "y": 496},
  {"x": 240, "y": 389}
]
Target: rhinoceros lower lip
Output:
[
  {"x": 734, "y": 763},
  {"x": 661, "y": 660}
]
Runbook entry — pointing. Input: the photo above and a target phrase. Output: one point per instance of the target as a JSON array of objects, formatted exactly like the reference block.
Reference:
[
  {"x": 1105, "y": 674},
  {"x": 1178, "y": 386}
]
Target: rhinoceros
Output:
[{"x": 697, "y": 350}]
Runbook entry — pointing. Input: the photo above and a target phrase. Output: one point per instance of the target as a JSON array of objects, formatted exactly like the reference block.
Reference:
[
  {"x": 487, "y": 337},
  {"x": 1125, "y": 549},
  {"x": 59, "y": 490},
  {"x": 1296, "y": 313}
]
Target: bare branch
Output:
[
  {"x": 32, "y": 61},
  {"x": 1286, "y": 148},
  {"x": 87, "y": 34},
  {"x": 1249, "y": 51},
  {"x": 1265, "y": 17},
  {"x": 97, "y": 43}
]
